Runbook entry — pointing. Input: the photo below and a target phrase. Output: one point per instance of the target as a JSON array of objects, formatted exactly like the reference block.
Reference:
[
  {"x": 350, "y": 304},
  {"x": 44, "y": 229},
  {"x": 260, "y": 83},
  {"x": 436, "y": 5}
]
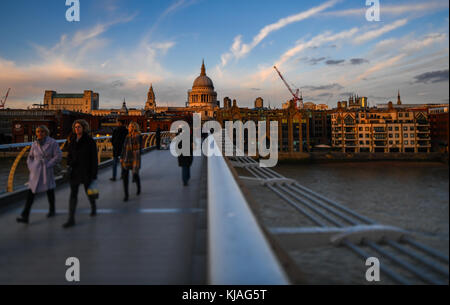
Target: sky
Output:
[{"x": 327, "y": 49}]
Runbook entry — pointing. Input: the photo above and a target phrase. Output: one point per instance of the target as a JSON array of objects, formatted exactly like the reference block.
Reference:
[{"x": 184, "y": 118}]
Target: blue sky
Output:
[{"x": 326, "y": 48}]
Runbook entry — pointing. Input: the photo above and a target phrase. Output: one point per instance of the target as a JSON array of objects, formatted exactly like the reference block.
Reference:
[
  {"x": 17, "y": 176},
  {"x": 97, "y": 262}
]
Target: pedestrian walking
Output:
[
  {"x": 185, "y": 162},
  {"x": 44, "y": 155},
  {"x": 131, "y": 158},
  {"x": 118, "y": 138},
  {"x": 82, "y": 161},
  {"x": 158, "y": 138}
]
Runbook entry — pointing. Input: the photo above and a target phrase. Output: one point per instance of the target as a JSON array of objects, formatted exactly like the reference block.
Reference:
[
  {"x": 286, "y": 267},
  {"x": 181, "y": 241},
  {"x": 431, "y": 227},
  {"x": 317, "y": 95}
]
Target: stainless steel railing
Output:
[
  {"x": 103, "y": 146},
  {"x": 238, "y": 252}
]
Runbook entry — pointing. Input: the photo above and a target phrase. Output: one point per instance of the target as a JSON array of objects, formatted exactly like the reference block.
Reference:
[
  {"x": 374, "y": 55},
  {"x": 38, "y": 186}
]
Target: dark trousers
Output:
[
  {"x": 114, "y": 166},
  {"x": 186, "y": 173},
  {"x": 125, "y": 178},
  {"x": 30, "y": 200},
  {"x": 74, "y": 199}
]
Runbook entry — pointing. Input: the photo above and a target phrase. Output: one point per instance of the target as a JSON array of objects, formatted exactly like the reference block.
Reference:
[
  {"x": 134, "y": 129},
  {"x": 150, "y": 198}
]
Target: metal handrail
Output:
[
  {"x": 239, "y": 253},
  {"x": 148, "y": 142}
]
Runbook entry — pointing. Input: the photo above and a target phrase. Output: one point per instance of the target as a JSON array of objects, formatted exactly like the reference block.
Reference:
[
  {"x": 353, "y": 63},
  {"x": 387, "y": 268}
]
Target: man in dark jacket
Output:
[
  {"x": 82, "y": 160},
  {"x": 118, "y": 138},
  {"x": 158, "y": 138},
  {"x": 185, "y": 162}
]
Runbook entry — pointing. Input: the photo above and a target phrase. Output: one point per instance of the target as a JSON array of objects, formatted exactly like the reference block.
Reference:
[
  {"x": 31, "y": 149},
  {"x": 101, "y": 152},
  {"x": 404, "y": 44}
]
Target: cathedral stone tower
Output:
[{"x": 151, "y": 100}]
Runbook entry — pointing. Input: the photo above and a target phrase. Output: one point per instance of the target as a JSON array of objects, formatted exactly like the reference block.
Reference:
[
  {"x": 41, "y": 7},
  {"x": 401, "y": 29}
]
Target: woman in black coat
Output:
[{"x": 82, "y": 161}]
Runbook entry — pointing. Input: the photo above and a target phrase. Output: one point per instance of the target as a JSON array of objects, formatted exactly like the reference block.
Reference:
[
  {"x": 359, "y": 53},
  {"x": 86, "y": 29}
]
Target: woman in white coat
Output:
[{"x": 44, "y": 155}]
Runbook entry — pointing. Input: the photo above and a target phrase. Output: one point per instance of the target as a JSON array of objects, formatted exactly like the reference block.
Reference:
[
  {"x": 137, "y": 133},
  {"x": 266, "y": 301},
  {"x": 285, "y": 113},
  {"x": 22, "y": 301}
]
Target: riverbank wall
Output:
[{"x": 321, "y": 157}]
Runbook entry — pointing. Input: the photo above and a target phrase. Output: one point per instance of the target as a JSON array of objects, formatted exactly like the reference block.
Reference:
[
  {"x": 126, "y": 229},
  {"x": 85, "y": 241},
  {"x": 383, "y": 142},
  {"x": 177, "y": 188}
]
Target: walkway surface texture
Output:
[{"x": 154, "y": 238}]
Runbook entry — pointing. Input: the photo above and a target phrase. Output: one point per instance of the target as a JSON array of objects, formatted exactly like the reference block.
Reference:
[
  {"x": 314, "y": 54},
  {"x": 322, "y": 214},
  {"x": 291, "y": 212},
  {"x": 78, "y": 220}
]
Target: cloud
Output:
[
  {"x": 380, "y": 66},
  {"x": 332, "y": 62},
  {"x": 346, "y": 94},
  {"x": 239, "y": 49},
  {"x": 81, "y": 61},
  {"x": 314, "y": 61},
  {"x": 318, "y": 40},
  {"x": 117, "y": 84},
  {"x": 175, "y": 6},
  {"x": 427, "y": 7},
  {"x": 358, "y": 61},
  {"x": 325, "y": 95},
  {"x": 427, "y": 40},
  {"x": 433, "y": 77},
  {"x": 324, "y": 87},
  {"x": 370, "y": 35}
]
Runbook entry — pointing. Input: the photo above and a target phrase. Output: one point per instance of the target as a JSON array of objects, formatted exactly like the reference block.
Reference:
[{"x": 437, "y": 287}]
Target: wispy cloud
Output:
[
  {"x": 175, "y": 6},
  {"x": 392, "y": 10},
  {"x": 370, "y": 35},
  {"x": 240, "y": 49},
  {"x": 428, "y": 40},
  {"x": 381, "y": 66},
  {"x": 302, "y": 46}
]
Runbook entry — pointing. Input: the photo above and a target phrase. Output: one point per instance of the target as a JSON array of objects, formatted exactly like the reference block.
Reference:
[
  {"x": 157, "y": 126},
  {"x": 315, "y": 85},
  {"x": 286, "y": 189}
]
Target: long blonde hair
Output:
[{"x": 136, "y": 127}]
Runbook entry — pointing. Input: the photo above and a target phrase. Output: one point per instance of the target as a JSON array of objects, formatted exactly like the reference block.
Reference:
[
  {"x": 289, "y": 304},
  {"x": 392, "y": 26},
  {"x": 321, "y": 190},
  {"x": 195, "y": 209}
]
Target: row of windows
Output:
[
  {"x": 368, "y": 135},
  {"x": 390, "y": 142},
  {"x": 374, "y": 116}
]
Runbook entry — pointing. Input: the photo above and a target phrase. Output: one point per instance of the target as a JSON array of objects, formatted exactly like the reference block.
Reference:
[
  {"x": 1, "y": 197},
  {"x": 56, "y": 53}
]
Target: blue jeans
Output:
[
  {"x": 186, "y": 173},
  {"x": 114, "y": 166}
]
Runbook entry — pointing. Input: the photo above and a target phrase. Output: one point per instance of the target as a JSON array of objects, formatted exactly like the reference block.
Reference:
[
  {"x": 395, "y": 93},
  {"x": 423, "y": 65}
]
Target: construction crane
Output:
[
  {"x": 3, "y": 101},
  {"x": 294, "y": 94}
]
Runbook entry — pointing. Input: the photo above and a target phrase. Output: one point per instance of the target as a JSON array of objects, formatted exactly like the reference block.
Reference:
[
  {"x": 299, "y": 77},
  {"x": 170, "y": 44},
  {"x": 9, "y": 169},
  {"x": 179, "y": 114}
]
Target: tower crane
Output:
[
  {"x": 294, "y": 94},
  {"x": 3, "y": 101}
]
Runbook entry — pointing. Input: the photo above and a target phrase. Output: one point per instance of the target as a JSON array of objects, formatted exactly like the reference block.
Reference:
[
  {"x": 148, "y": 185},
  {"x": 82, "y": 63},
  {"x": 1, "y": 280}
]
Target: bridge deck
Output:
[{"x": 151, "y": 239}]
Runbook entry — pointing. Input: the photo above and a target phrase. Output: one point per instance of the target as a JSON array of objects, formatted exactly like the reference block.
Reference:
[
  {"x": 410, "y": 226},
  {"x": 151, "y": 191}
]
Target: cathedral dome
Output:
[{"x": 203, "y": 80}]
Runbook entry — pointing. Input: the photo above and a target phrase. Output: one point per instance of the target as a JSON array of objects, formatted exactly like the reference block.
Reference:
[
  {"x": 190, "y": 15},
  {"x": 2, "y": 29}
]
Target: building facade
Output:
[
  {"x": 23, "y": 123},
  {"x": 293, "y": 125},
  {"x": 439, "y": 128},
  {"x": 85, "y": 102},
  {"x": 381, "y": 130}
]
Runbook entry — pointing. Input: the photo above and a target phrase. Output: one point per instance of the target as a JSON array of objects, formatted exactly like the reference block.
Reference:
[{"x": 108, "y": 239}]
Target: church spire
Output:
[
  {"x": 399, "y": 100},
  {"x": 151, "y": 99},
  {"x": 203, "y": 68}
]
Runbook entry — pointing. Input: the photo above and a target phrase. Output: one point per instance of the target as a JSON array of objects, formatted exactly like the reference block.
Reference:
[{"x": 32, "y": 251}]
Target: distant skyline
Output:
[{"x": 327, "y": 49}]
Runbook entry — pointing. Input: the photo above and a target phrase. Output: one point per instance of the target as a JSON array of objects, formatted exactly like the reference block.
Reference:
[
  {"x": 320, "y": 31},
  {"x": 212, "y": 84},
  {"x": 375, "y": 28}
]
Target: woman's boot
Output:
[
  {"x": 51, "y": 202},
  {"x": 26, "y": 211},
  {"x": 125, "y": 186},
  {"x": 72, "y": 207},
  {"x": 138, "y": 183},
  {"x": 93, "y": 208}
]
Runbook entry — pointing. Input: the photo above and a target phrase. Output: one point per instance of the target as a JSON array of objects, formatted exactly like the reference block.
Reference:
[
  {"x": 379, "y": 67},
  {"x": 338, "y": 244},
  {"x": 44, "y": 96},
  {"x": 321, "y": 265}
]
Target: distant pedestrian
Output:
[
  {"x": 43, "y": 157},
  {"x": 185, "y": 162},
  {"x": 158, "y": 138},
  {"x": 131, "y": 158},
  {"x": 82, "y": 160},
  {"x": 118, "y": 138}
]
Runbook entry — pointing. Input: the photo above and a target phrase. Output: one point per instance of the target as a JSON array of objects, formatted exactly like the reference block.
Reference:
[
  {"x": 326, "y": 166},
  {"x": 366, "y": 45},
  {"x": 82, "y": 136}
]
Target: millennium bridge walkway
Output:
[{"x": 155, "y": 238}]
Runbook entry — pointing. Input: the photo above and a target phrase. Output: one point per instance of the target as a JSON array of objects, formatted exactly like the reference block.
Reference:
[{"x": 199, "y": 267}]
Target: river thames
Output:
[{"x": 410, "y": 195}]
